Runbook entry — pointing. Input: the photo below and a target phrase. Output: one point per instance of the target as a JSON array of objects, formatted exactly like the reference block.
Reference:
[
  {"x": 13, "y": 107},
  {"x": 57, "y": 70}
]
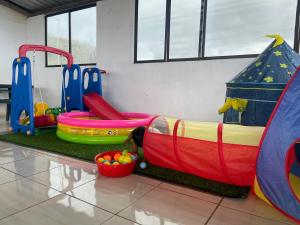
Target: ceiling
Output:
[{"x": 36, "y": 7}]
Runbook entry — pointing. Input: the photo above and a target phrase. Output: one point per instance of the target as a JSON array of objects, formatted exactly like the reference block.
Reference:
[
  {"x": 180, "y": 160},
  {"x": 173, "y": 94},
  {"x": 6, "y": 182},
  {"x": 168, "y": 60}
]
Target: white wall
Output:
[
  {"x": 12, "y": 35},
  {"x": 190, "y": 90}
]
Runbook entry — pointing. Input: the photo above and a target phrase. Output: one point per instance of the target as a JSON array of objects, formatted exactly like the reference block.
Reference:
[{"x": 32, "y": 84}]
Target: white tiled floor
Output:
[{"x": 40, "y": 188}]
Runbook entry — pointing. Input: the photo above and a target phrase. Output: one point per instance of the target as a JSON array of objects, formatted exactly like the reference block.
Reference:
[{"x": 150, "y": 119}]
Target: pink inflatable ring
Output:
[{"x": 86, "y": 128}]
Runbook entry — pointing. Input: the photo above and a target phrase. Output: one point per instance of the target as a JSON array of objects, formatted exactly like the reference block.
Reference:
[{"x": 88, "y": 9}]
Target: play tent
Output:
[
  {"x": 278, "y": 164},
  {"x": 261, "y": 84}
]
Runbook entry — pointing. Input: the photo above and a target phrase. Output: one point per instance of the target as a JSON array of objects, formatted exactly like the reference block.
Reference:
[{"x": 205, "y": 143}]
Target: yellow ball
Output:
[
  {"x": 100, "y": 160},
  {"x": 107, "y": 163},
  {"x": 127, "y": 159},
  {"x": 121, "y": 159},
  {"x": 116, "y": 163}
]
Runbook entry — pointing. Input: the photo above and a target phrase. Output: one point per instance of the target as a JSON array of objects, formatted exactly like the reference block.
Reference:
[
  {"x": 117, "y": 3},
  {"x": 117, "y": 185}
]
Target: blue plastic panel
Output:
[
  {"x": 22, "y": 99},
  {"x": 72, "y": 89},
  {"x": 93, "y": 77}
]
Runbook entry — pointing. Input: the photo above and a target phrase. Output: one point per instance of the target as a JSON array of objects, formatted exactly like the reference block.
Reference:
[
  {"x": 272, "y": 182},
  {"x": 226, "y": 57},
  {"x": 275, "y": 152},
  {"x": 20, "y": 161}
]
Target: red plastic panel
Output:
[
  {"x": 101, "y": 108},
  {"x": 41, "y": 48}
]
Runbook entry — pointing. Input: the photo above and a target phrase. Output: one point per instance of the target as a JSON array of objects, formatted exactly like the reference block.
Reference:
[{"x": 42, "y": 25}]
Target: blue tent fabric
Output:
[
  {"x": 278, "y": 140},
  {"x": 262, "y": 83}
]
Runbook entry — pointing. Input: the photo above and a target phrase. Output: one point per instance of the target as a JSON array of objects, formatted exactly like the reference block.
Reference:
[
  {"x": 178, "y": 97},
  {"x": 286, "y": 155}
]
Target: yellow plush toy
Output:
[
  {"x": 40, "y": 108},
  {"x": 238, "y": 104}
]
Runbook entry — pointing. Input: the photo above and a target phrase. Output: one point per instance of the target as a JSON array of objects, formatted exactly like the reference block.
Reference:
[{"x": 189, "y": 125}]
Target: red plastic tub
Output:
[
  {"x": 43, "y": 121},
  {"x": 121, "y": 170}
]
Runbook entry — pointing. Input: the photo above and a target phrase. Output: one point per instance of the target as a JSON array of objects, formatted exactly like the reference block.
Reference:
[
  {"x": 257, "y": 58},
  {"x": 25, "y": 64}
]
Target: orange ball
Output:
[
  {"x": 107, "y": 158},
  {"x": 117, "y": 156}
]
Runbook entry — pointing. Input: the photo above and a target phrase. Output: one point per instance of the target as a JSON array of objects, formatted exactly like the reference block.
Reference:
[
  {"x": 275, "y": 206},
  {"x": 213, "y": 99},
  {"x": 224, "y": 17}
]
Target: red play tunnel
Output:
[{"x": 225, "y": 153}]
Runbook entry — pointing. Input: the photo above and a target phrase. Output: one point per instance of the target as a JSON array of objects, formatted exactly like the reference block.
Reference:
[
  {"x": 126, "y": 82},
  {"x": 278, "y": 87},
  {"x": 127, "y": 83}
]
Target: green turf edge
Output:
[{"x": 87, "y": 152}]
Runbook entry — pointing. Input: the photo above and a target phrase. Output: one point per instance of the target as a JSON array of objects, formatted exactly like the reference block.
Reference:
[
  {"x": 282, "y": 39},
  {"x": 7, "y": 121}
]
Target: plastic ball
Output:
[
  {"x": 117, "y": 156},
  {"x": 107, "y": 158},
  {"x": 126, "y": 159},
  {"x": 121, "y": 159},
  {"x": 100, "y": 160},
  {"x": 116, "y": 163},
  {"x": 143, "y": 165},
  {"x": 106, "y": 163}
]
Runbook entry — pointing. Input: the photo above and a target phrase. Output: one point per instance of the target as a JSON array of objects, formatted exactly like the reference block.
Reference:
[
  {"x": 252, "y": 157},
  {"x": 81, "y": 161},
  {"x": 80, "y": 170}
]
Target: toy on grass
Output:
[
  {"x": 48, "y": 117},
  {"x": 40, "y": 108},
  {"x": 116, "y": 163},
  {"x": 54, "y": 112}
]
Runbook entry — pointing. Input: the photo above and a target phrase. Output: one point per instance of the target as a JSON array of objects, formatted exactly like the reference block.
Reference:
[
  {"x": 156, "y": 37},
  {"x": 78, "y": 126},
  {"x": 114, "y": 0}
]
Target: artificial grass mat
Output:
[{"x": 50, "y": 142}]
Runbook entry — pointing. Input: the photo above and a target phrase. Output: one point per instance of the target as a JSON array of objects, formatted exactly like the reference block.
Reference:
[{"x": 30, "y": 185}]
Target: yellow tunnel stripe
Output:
[
  {"x": 242, "y": 135},
  {"x": 94, "y": 131}
]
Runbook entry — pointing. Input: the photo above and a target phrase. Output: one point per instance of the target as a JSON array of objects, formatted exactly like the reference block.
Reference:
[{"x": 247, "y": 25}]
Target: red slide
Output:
[{"x": 102, "y": 108}]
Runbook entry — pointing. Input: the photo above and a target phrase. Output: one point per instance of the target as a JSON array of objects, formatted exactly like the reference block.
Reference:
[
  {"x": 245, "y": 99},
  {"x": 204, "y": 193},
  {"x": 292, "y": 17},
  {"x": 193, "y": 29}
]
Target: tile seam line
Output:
[
  {"x": 137, "y": 199},
  {"x": 2, "y": 164},
  {"x": 36, "y": 156},
  {"x": 213, "y": 212},
  {"x": 63, "y": 192},
  {"x": 191, "y": 195},
  {"x": 20, "y": 211},
  {"x": 252, "y": 214}
]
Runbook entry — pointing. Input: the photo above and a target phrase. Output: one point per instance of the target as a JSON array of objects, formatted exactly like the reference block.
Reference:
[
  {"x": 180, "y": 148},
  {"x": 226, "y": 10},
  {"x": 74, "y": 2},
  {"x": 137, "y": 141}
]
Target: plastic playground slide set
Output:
[{"x": 87, "y": 128}]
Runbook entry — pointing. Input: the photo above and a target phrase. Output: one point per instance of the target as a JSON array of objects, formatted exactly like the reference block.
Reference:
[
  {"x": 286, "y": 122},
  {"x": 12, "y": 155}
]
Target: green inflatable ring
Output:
[{"x": 91, "y": 140}]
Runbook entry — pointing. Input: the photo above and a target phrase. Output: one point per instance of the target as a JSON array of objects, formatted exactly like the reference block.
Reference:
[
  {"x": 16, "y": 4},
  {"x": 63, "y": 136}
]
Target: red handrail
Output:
[{"x": 41, "y": 48}]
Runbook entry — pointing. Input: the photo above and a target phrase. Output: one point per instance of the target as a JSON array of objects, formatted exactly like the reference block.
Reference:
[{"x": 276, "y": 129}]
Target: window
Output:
[
  {"x": 151, "y": 28},
  {"x": 57, "y": 36},
  {"x": 172, "y": 30},
  {"x": 73, "y": 31},
  {"x": 238, "y": 27},
  {"x": 184, "y": 29}
]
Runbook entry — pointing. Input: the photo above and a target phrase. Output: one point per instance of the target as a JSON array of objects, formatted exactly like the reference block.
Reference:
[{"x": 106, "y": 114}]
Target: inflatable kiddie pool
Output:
[{"x": 87, "y": 128}]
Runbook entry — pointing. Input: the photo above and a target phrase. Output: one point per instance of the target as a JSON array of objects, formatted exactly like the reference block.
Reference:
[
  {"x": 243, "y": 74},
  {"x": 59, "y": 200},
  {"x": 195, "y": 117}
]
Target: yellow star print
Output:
[
  {"x": 268, "y": 65},
  {"x": 283, "y": 65},
  {"x": 257, "y": 64},
  {"x": 278, "y": 53},
  {"x": 250, "y": 78},
  {"x": 260, "y": 73},
  {"x": 268, "y": 79}
]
